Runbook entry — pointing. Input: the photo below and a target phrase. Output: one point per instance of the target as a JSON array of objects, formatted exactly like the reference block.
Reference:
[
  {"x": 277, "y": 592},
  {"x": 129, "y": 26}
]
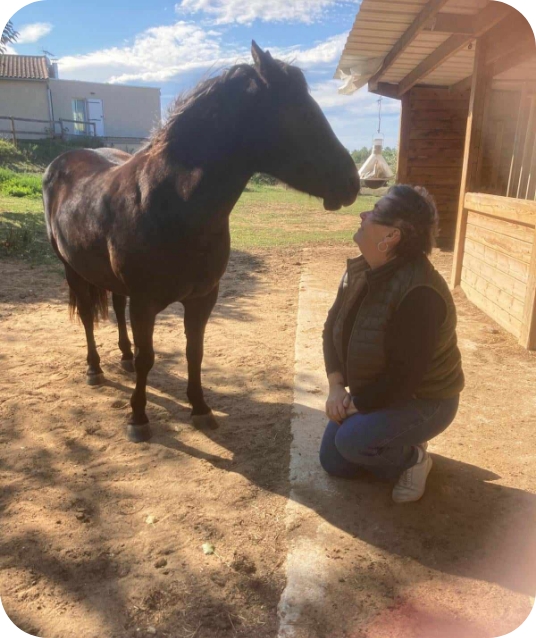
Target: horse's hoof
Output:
[
  {"x": 138, "y": 433},
  {"x": 205, "y": 421},
  {"x": 95, "y": 379},
  {"x": 128, "y": 365}
]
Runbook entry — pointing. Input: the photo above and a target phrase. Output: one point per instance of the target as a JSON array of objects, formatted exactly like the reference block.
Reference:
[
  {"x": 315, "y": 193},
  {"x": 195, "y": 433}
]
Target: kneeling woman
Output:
[{"x": 390, "y": 338}]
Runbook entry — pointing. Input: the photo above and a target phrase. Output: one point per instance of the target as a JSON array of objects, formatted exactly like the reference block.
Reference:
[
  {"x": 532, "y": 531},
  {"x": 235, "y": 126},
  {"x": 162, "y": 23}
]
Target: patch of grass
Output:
[
  {"x": 276, "y": 216},
  {"x": 265, "y": 216},
  {"x": 14, "y": 159},
  {"x": 14, "y": 184},
  {"x": 23, "y": 232}
]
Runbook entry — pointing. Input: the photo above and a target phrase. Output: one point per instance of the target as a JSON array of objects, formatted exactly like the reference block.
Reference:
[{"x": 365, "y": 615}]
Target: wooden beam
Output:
[
  {"x": 483, "y": 22},
  {"x": 510, "y": 34},
  {"x": 519, "y": 211},
  {"x": 514, "y": 85},
  {"x": 473, "y": 138},
  {"x": 385, "y": 89},
  {"x": 523, "y": 53},
  {"x": 508, "y": 43},
  {"x": 429, "y": 11},
  {"x": 452, "y": 23},
  {"x": 527, "y": 338}
]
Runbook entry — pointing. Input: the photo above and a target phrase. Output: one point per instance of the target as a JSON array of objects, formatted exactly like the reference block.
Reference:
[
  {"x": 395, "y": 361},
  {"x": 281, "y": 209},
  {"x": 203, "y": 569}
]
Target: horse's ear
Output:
[{"x": 267, "y": 68}]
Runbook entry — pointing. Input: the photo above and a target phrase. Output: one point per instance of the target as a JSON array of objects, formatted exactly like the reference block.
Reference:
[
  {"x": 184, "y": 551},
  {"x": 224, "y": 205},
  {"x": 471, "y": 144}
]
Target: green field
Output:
[{"x": 265, "y": 216}]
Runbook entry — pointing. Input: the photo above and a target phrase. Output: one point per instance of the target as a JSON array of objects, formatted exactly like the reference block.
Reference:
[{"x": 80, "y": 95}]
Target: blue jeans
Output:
[{"x": 383, "y": 441}]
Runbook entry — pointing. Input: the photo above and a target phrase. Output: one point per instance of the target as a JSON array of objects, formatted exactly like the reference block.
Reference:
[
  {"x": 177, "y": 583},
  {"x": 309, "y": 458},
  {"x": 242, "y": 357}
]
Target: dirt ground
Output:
[
  {"x": 78, "y": 556},
  {"x": 103, "y": 538}
]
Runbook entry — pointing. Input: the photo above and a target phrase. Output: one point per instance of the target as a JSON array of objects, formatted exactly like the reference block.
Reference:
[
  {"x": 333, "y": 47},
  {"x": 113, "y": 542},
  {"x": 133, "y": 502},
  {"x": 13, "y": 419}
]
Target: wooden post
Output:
[
  {"x": 527, "y": 338},
  {"x": 403, "y": 140},
  {"x": 13, "y": 132},
  {"x": 473, "y": 139}
]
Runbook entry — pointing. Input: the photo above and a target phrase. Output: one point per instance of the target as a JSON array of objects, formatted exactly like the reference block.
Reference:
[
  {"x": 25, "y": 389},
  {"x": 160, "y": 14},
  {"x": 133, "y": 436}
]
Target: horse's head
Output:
[{"x": 293, "y": 139}]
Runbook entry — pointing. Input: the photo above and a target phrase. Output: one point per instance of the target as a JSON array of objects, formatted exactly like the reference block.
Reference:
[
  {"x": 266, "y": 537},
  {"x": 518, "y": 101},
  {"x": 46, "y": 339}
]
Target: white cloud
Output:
[
  {"x": 322, "y": 53},
  {"x": 29, "y": 33},
  {"x": 164, "y": 53},
  {"x": 157, "y": 54},
  {"x": 229, "y": 11}
]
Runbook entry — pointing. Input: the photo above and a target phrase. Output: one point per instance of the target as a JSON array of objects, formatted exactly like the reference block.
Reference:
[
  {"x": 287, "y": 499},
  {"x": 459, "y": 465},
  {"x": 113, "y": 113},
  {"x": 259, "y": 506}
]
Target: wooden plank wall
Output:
[
  {"x": 498, "y": 141},
  {"x": 522, "y": 178},
  {"x": 431, "y": 147},
  {"x": 507, "y": 161},
  {"x": 498, "y": 260}
]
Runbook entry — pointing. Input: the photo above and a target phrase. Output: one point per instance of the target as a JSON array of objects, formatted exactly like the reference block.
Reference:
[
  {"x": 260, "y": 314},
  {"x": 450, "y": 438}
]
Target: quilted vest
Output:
[{"x": 366, "y": 357}]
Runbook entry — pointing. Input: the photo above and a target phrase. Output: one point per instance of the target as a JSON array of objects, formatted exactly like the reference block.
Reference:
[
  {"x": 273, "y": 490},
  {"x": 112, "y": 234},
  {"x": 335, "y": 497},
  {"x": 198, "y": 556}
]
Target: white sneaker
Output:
[{"x": 412, "y": 483}]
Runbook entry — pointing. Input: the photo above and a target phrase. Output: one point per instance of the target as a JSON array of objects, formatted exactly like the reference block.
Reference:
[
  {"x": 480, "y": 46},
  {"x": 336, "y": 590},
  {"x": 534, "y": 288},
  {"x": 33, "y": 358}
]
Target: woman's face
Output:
[{"x": 371, "y": 233}]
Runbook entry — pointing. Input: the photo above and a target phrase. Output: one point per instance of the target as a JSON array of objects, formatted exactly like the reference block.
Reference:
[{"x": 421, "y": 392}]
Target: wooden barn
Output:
[{"x": 465, "y": 72}]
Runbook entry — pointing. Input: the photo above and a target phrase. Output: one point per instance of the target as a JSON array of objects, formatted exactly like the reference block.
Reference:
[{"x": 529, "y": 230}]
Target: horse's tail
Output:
[{"x": 98, "y": 302}]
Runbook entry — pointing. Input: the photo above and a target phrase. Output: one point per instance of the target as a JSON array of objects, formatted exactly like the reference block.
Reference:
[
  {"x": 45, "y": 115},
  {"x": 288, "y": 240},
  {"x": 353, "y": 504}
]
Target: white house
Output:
[{"x": 31, "y": 90}]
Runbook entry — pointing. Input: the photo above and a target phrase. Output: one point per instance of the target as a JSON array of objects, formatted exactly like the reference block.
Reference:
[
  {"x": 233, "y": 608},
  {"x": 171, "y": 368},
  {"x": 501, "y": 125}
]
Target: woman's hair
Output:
[{"x": 412, "y": 209}]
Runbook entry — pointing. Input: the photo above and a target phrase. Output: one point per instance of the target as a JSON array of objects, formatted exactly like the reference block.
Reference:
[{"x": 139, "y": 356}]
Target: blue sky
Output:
[{"x": 172, "y": 45}]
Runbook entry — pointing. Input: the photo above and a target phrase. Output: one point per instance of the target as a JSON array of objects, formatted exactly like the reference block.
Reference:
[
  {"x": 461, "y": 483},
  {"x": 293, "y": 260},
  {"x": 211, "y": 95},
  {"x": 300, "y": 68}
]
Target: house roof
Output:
[
  {"x": 24, "y": 67},
  {"x": 399, "y": 43}
]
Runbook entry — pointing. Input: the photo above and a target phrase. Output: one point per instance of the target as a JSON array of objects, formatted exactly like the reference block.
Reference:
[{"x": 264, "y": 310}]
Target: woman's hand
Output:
[
  {"x": 351, "y": 410},
  {"x": 338, "y": 400}
]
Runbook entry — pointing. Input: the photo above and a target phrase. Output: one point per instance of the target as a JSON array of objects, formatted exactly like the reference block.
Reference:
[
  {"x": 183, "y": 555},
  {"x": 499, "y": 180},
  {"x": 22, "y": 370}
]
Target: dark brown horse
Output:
[{"x": 154, "y": 226}]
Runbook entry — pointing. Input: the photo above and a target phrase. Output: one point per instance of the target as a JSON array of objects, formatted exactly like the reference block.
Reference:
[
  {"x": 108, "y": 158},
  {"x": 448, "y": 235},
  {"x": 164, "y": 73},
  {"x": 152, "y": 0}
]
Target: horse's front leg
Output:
[
  {"x": 142, "y": 320},
  {"x": 196, "y": 314},
  {"x": 127, "y": 358}
]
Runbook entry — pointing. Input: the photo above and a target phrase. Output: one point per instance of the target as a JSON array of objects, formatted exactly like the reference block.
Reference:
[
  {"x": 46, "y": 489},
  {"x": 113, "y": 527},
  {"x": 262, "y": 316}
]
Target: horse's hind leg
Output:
[
  {"x": 127, "y": 359},
  {"x": 196, "y": 314},
  {"x": 142, "y": 320},
  {"x": 85, "y": 299}
]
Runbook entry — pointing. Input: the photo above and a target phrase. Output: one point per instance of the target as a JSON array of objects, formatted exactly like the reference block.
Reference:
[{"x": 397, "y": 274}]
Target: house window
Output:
[{"x": 80, "y": 115}]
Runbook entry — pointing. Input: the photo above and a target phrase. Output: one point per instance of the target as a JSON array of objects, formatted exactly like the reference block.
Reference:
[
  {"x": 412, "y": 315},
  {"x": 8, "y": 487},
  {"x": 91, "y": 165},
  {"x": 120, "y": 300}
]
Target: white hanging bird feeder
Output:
[{"x": 375, "y": 172}]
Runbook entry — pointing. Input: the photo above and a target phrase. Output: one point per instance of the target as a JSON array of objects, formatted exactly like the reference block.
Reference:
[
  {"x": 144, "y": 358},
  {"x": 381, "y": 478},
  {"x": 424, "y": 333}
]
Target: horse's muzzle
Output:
[{"x": 344, "y": 195}]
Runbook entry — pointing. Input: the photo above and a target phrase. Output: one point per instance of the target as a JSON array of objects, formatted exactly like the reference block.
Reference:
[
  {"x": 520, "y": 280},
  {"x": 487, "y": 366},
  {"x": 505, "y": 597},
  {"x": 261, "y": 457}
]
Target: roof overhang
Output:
[{"x": 395, "y": 45}]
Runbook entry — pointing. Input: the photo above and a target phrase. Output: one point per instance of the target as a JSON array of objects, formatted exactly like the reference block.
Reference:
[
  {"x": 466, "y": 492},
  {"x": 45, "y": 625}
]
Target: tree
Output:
[
  {"x": 391, "y": 157},
  {"x": 360, "y": 156},
  {"x": 9, "y": 36}
]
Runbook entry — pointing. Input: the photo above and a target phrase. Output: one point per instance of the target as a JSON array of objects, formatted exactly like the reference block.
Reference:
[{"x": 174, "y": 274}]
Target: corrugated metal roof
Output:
[
  {"x": 23, "y": 67},
  {"x": 381, "y": 23}
]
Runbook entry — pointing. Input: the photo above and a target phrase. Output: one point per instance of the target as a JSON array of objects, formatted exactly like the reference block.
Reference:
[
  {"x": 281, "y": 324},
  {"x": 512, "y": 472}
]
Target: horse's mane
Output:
[{"x": 202, "y": 93}]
